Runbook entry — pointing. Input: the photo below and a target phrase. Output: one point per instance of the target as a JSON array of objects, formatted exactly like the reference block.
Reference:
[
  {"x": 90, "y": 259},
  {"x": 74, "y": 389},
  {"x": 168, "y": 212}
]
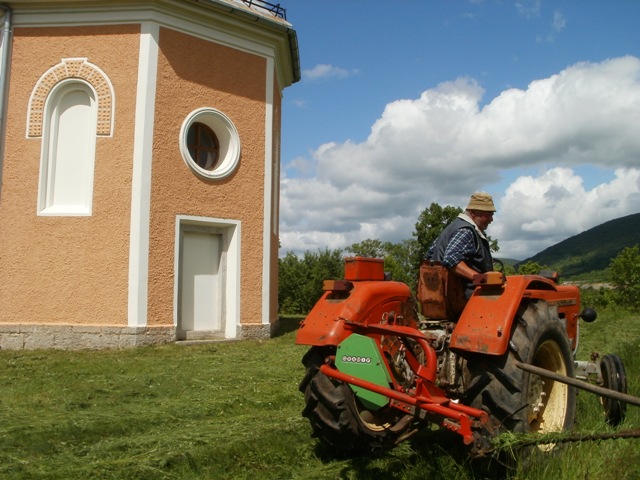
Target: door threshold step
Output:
[{"x": 187, "y": 343}]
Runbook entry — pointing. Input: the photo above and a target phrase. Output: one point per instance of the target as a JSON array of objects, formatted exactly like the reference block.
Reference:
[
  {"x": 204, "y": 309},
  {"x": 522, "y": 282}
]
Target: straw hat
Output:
[{"x": 481, "y": 201}]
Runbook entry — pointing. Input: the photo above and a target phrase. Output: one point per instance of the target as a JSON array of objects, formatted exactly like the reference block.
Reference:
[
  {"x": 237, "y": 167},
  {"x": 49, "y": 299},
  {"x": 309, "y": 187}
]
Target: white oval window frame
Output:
[{"x": 228, "y": 138}]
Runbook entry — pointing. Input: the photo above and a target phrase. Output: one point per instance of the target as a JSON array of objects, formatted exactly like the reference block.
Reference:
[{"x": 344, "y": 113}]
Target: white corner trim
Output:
[
  {"x": 268, "y": 193},
  {"x": 141, "y": 181}
]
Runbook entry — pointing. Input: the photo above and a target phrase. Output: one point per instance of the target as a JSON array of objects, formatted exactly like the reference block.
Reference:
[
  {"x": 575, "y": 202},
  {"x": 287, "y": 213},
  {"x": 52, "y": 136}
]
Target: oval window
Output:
[{"x": 209, "y": 143}]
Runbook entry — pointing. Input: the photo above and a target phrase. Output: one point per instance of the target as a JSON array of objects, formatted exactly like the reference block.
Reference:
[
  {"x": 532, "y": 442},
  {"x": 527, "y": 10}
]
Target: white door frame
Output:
[{"x": 229, "y": 276}]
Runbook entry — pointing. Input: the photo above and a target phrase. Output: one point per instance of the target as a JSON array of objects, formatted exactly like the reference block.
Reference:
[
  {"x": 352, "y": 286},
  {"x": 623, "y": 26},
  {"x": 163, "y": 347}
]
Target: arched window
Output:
[{"x": 68, "y": 150}]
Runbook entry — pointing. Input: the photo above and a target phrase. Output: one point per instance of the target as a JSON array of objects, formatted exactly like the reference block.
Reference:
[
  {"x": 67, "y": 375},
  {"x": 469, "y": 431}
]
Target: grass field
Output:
[{"x": 232, "y": 411}]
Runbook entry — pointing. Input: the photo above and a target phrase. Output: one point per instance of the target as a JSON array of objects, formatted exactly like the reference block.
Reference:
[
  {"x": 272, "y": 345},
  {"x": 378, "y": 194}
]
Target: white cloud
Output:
[
  {"x": 536, "y": 212},
  {"x": 528, "y": 8},
  {"x": 324, "y": 71},
  {"x": 559, "y": 21},
  {"x": 443, "y": 146},
  {"x": 558, "y": 24}
]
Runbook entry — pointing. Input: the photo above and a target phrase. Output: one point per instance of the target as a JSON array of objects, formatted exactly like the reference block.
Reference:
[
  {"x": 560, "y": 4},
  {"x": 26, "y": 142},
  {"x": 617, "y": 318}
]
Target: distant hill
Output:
[{"x": 592, "y": 250}]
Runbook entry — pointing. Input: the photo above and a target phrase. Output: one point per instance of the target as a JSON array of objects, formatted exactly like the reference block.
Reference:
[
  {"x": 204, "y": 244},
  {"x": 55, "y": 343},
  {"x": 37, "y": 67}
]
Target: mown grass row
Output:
[{"x": 232, "y": 411}]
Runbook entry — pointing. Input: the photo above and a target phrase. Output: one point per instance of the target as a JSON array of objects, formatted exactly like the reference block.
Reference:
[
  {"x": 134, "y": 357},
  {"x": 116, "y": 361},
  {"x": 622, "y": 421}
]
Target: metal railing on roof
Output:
[{"x": 273, "y": 8}]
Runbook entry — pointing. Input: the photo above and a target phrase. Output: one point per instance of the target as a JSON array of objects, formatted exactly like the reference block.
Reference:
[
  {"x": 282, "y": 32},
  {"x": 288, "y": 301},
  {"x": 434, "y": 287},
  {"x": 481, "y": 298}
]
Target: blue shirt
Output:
[{"x": 461, "y": 246}]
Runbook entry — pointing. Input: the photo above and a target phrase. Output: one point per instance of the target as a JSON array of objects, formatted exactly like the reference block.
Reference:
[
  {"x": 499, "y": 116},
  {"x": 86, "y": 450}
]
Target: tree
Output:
[
  {"x": 506, "y": 269},
  {"x": 431, "y": 222},
  {"x": 369, "y": 248},
  {"x": 300, "y": 279},
  {"x": 399, "y": 258},
  {"x": 531, "y": 268},
  {"x": 289, "y": 285},
  {"x": 625, "y": 276}
]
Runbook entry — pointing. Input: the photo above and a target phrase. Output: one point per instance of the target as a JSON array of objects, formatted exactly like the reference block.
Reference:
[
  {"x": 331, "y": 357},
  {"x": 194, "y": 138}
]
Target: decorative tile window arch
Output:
[
  {"x": 70, "y": 106},
  {"x": 79, "y": 69}
]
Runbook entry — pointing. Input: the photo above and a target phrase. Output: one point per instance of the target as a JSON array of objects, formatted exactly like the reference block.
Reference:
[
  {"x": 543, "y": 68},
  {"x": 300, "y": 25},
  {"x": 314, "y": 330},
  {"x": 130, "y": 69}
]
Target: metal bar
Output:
[
  {"x": 605, "y": 392},
  {"x": 463, "y": 427},
  {"x": 274, "y": 8},
  {"x": 627, "y": 434}
]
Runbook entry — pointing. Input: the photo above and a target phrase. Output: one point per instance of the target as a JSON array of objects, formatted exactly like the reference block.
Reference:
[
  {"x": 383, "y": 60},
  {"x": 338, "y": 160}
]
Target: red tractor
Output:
[{"x": 383, "y": 365}]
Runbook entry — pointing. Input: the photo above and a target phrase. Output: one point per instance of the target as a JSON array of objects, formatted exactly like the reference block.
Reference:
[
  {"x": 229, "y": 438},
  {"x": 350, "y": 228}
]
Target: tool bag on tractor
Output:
[{"x": 441, "y": 294}]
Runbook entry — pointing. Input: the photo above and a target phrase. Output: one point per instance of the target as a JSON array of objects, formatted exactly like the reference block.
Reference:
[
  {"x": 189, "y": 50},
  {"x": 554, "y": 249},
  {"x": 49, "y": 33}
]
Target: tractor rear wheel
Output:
[
  {"x": 520, "y": 401},
  {"x": 337, "y": 417}
]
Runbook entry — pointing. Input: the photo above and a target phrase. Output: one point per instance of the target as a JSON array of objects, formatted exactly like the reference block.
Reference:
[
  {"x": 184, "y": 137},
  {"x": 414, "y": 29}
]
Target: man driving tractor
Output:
[{"x": 462, "y": 247}]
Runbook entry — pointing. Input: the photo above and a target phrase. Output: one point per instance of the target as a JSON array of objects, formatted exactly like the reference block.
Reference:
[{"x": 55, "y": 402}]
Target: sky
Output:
[{"x": 407, "y": 102}]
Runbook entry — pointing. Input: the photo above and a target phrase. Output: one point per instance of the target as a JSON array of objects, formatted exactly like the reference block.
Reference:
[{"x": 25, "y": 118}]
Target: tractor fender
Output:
[
  {"x": 486, "y": 321},
  {"x": 367, "y": 302}
]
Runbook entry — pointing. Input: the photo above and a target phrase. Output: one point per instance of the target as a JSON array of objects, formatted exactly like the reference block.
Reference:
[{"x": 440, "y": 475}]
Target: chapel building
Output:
[{"x": 139, "y": 160}]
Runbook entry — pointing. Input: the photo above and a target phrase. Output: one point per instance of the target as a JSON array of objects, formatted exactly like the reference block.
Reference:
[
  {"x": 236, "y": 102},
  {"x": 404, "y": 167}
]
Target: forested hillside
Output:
[{"x": 593, "y": 250}]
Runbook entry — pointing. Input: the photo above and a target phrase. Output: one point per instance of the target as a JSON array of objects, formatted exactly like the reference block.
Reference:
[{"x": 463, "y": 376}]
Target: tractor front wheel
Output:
[{"x": 337, "y": 417}]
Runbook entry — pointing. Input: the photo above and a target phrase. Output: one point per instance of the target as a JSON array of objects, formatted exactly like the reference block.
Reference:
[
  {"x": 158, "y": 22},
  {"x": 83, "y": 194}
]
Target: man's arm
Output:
[
  {"x": 461, "y": 246},
  {"x": 464, "y": 270}
]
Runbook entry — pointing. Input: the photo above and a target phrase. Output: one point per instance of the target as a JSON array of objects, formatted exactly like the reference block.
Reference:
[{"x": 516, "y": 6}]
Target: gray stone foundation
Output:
[
  {"x": 96, "y": 337},
  {"x": 253, "y": 331},
  {"x": 78, "y": 337}
]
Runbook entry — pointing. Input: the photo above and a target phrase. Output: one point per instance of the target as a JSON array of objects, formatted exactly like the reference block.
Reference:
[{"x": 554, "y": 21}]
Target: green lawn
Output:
[{"x": 232, "y": 411}]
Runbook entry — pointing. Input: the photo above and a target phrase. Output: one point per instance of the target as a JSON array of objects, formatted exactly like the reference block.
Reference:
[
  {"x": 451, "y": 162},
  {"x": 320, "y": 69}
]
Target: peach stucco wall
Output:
[
  {"x": 195, "y": 73},
  {"x": 68, "y": 269}
]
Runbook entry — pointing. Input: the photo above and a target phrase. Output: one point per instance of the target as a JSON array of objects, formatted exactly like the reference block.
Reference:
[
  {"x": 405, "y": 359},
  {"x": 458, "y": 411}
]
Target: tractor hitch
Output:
[{"x": 457, "y": 418}]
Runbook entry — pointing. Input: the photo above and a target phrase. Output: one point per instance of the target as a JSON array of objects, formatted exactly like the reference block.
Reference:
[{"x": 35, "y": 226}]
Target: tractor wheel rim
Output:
[{"x": 547, "y": 399}]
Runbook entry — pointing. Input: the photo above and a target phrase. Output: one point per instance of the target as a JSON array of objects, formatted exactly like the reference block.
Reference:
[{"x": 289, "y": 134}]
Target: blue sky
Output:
[{"x": 407, "y": 102}]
